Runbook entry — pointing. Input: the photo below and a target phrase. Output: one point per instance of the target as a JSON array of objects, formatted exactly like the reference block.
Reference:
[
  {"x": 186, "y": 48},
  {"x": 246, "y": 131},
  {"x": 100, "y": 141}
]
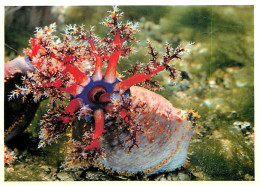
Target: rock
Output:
[
  {"x": 163, "y": 179},
  {"x": 77, "y": 175},
  {"x": 9, "y": 170},
  {"x": 249, "y": 177},
  {"x": 46, "y": 168},
  {"x": 172, "y": 177},
  {"x": 44, "y": 177},
  {"x": 169, "y": 177},
  {"x": 159, "y": 177},
  {"x": 183, "y": 177},
  {"x": 63, "y": 176},
  {"x": 123, "y": 178},
  {"x": 239, "y": 125},
  {"x": 19, "y": 166},
  {"x": 240, "y": 84},
  {"x": 96, "y": 176},
  {"x": 212, "y": 84},
  {"x": 217, "y": 104}
]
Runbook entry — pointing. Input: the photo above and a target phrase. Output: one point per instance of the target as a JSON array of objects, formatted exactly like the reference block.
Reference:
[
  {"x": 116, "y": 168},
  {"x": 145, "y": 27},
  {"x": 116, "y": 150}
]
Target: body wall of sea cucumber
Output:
[{"x": 163, "y": 144}]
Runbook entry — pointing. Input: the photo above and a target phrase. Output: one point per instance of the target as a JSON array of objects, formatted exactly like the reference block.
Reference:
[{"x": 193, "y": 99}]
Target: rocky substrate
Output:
[{"x": 34, "y": 168}]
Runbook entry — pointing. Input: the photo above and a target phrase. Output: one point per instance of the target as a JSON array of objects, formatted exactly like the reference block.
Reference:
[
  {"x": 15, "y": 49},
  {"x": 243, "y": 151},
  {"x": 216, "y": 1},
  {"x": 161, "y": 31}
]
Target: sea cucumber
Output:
[{"x": 115, "y": 125}]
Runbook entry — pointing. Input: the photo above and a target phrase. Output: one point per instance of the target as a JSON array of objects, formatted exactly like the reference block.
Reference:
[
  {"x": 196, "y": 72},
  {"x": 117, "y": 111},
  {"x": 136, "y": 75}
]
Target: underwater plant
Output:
[{"x": 114, "y": 125}]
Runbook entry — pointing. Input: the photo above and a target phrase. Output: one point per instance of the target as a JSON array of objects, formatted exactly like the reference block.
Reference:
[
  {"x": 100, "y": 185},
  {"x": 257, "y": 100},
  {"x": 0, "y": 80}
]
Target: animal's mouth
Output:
[{"x": 95, "y": 93}]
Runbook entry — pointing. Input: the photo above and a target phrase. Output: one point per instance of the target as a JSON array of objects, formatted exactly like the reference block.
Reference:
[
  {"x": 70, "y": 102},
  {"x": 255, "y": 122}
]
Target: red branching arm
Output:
[
  {"x": 97, "y": 75},
  {"x": 110, "y": 75},
  {"x": 156, "y": 68},
  {"x": 122, "y": 33},
  {"x": 35, "y": 48},
  {"x": 57, "y": 84}
]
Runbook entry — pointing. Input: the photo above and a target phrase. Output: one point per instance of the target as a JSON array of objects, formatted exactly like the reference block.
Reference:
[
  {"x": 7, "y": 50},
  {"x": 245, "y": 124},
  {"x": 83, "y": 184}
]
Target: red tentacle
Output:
[
  {"x": 79, "y": 76},
  {"x": 117, "y": 39},
  {"x": 94, "y": 144},
  {"x": 73, "y": 89},
  {"x": 99, "y": 117},
  {"x": 98, "y": 75},
  {"x": 110, "y": 75},
  {"x": 35, "y": 48},
  {"x": 74, "y": 105},
  {"x": 126, "y": 84},
  {"x": 139, "y": 78}
]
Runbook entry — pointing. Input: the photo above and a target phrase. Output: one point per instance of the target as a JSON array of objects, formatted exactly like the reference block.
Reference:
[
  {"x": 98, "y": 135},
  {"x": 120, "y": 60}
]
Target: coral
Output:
[{"x": 135, "y": 130}]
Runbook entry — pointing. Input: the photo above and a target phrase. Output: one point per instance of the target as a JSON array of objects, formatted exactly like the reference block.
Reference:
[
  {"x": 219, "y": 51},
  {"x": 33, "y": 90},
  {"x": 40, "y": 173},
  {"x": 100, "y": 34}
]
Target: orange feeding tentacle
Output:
[{"x": 99, "y": 117}]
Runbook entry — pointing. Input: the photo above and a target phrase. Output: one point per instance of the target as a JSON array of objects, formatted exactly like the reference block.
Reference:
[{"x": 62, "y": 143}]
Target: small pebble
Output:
[
  {"x": 46, "y": 168},
  {"x": 163, "y": 179},
  {"x": 169, "y": 177},
  {"x": 174, "y": 177},
  {"x": 64, "y": 177},
  {"x": 159, "y": 177},
  {"x": 9, "y": 170},
  {"x": 183, "y": 177}
]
